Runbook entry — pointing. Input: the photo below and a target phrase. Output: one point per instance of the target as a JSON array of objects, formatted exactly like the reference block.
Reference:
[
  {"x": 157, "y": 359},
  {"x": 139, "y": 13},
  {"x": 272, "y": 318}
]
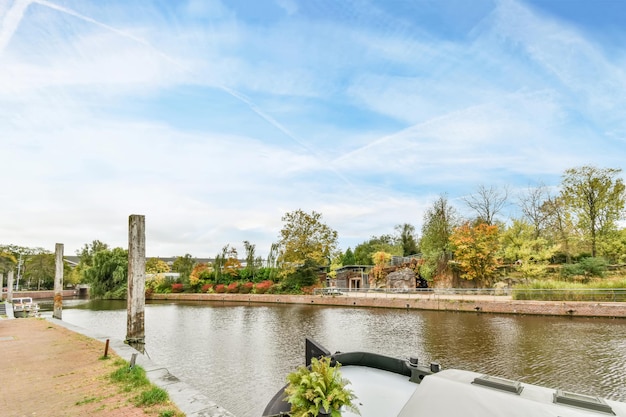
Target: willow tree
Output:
[{"x": 596, "y": 197}]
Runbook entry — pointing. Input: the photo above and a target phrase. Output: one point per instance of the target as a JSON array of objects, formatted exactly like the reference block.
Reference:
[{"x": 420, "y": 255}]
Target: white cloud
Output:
[{"x": 214, "y": 127}]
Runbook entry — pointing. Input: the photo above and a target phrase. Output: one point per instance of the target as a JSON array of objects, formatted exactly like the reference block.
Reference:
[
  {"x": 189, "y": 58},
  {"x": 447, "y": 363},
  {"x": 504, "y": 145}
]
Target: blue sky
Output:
[{"x": 214, "y": 118}]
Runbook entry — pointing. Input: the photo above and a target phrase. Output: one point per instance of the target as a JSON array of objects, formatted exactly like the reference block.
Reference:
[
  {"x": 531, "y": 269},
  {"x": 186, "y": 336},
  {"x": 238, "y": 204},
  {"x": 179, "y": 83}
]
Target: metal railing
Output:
[{"x": 587, "y": 294}]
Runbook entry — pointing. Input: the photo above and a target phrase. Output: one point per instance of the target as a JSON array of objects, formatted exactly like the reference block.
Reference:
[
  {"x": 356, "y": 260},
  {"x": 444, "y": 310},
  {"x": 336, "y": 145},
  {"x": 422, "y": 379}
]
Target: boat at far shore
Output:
[
  {"x": 24, "y": 307},
  {"x": 394, "y": 387}
]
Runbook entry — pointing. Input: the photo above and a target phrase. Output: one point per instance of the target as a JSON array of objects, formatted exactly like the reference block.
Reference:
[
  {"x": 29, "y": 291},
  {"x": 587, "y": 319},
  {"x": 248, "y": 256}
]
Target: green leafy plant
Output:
[{"x": 319, "y": 389}]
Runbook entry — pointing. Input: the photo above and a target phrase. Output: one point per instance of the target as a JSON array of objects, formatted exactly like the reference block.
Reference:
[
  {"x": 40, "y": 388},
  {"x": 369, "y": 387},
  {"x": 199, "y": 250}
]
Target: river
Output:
[{"x": 238, "y": 354}]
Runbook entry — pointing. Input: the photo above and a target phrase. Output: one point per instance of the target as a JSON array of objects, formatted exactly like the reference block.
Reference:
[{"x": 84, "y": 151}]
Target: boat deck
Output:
[{"x": 371, "y": 385}]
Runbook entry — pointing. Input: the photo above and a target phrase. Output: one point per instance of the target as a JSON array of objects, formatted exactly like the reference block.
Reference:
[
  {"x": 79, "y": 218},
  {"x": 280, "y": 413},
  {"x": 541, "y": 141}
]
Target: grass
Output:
[
  {"x": 552, "y": 290},
  {"x": 145, "y": 394}
]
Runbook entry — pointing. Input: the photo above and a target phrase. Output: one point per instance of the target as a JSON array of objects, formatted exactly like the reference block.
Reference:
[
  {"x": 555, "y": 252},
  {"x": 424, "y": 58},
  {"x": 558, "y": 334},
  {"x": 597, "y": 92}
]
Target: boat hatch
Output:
[
  {"x": 582, "y": 401},
  {"x": 499, "y": 383}
]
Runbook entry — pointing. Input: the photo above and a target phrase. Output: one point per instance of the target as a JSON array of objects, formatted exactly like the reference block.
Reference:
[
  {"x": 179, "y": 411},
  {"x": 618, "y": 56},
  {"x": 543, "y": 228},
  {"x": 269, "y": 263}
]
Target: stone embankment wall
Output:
[
  {"x": 486, "y": 304},
  {"x": 39, "y": 295}
]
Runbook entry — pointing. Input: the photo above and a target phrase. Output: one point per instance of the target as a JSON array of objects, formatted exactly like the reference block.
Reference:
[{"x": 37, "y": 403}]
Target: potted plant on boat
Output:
[{"x": 319, "y": 390}]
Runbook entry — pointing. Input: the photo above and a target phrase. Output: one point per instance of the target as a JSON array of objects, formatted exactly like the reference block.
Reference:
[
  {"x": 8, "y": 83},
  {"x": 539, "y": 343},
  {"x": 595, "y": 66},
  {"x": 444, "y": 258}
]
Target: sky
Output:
[{"x": 215, "y": 118}]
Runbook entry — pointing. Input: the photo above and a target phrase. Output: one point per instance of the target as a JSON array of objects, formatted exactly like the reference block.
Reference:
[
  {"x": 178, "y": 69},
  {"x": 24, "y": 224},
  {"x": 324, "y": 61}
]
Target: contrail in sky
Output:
[
  {"x": 16, "y": 13},
  {"x": 11, "y": 21}
]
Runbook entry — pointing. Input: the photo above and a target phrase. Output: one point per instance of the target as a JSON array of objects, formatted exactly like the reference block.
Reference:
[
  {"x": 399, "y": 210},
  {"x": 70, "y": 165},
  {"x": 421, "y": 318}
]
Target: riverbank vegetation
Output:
[
  {"x": 570, "y": 237},
  {"x": 144, "y": 394}
]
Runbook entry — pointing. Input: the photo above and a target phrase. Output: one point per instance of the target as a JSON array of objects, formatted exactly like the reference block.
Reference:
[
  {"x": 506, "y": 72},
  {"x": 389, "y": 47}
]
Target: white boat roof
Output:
[{"x": 452, "y": 393}]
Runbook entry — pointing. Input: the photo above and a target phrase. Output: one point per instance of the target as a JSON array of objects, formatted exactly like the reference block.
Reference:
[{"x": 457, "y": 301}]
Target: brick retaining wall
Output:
[
  {"x": 39, "y": 295},
  {"x": 494, "y": 304}
]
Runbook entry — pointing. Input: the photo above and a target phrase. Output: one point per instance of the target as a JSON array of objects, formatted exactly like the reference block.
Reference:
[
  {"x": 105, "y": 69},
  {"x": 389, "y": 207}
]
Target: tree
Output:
[
  {"x": 8, "y": 262},
  {"x": 475, "y": 247},
  {"x": 439, "y": 222},
  {"x": 407, "y": 239},
  {"x": 232, "y": 265},
  {"x": 200, "y": 272},
  {"x": 348, "y": 258},
  {"x": 251, "y": 262},
  {"x": 88, "y": 250},
  {"x": 531, "y": 203},
  {"x": 40, "y": 271},
  {"x": 305, "y": 238},
  {"x": 487, "y": 203},
  {"x": 156, "y": 266},
  {"x": 530, "y": 253},
  {"x": 384, "y": 243},
  {"x": 378, "y": 273},
  {"x": 559, "y": 226},
  {"x": 184, "y": 265},
  {"x": 597, "y": 199},
  {"x": 108, "y": 275}
]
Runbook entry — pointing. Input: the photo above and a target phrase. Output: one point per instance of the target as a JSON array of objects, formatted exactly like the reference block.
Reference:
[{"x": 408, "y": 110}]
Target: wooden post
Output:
[
  {"x": 136, "y": 299},
  {"x": 10, "y": 286},
  {"x": 58, "y": 282}
]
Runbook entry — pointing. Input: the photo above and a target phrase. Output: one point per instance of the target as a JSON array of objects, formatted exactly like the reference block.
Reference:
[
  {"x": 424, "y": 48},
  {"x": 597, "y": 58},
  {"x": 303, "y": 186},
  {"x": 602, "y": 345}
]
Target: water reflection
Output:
[{"x": 239, "y": 354}]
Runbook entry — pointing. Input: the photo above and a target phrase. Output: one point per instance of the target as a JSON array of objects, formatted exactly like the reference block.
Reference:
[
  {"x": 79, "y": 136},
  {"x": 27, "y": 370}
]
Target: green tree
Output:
[
  {"x": 8, "y": 262},
  {"x": 108, "y": 275},
  {"x": 384, "y": 243},
  {"x": 184, "y": 265},
  {"x": 475, "y": 248},
  {"x": 304, "y": 238},
  {"x": 407, "y": 239},
  {"x": 559, "y": 227},
  {"x": 87, "y": 252},
  {"x": 40, "y": 271},
  {"x": 521, "y": 245},
  {"x": 597, "y": 199},
  {"x": 251, "y": 261},
  {"x": 439, "y": 222},
  {"x": 348, "y": 258}
]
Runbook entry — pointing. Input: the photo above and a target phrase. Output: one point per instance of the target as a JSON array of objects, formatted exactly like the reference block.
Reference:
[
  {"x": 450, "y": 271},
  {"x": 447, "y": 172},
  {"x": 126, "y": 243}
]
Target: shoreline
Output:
[
  {"x": 498, "y": 304},
  {"x": 188, "y": 400}
]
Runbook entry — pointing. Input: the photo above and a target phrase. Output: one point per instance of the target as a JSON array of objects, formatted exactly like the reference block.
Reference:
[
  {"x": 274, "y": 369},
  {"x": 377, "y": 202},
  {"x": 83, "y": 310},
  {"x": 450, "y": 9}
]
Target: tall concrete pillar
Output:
[
  {"x": 136, "y": 299},
  {"x": 10, "y": 286},
  {"x": 58, "y": 282},
  {"x": 2, "y": 286}
]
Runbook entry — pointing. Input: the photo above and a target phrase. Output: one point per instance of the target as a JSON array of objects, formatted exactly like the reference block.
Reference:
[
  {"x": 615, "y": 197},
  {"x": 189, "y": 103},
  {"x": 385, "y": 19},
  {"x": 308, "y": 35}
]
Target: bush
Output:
[
  {"x": 246, "y": 288},
  {"x": 220, "y": 288},
  {"x": 263, "y": 287},
  {"x": 178, "y": 287},
  {"x": 206, "y": 287},
  {"x": 233, "y": 287},
  {"x": 595, "y": 267}
]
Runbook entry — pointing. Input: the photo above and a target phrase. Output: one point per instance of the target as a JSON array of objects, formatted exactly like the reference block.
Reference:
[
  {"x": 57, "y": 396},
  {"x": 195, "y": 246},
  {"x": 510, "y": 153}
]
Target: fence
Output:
[{"x": 590, "y": 294}]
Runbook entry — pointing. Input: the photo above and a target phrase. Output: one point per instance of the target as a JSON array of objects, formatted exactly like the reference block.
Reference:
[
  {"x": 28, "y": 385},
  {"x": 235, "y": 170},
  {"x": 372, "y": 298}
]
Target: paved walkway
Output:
[
  {"x": 52, "y": 368},
  {"x": 48, "y": 370}
]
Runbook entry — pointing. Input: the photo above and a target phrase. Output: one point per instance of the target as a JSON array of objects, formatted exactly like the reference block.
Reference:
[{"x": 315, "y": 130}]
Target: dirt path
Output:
[{"x": 47, "y": 370}]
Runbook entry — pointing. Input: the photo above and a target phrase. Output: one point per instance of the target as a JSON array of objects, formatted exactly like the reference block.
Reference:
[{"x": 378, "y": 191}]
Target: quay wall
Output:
[
  {"x": 47, "y": 294},
  {"x": 480, "y": 304}
]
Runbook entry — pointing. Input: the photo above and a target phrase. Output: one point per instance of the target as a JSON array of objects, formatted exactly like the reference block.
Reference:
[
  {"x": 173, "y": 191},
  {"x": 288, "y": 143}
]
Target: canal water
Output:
[{"x": 238, "y": 354}]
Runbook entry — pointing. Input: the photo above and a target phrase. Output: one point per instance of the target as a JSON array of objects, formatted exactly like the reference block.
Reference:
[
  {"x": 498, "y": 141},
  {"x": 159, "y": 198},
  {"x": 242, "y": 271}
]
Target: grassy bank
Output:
[{"x": 550, "y": 290}]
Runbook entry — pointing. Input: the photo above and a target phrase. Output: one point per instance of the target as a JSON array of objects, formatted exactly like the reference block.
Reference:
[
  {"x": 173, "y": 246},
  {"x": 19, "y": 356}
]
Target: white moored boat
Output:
[
  {"x": 394, "y": 387},
  {"x": 24, "y": 307}
]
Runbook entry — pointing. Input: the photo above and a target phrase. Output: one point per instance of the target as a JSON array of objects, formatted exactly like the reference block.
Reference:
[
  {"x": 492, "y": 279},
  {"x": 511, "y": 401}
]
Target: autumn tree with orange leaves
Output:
[{"x": 475, "y": 247}]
